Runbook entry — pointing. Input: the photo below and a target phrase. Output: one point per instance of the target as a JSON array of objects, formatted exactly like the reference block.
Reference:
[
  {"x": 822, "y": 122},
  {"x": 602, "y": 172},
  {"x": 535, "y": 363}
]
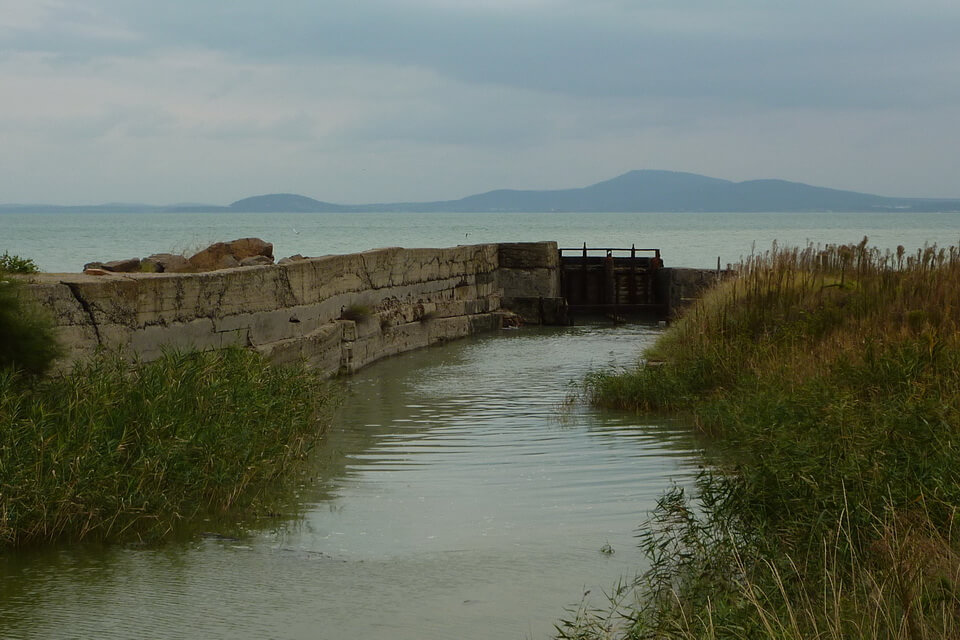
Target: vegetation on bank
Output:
[
  {"x": 27, "y": 340},
  {"x": 112, "y": 450},
  {"x": 17, "y": 264},
  {"x": 827, "y": 382},
  {"x": 109, "y": 451}
]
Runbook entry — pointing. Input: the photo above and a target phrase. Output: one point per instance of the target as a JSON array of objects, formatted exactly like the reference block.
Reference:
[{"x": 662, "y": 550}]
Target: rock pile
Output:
[{"x": 244, "y": 252}]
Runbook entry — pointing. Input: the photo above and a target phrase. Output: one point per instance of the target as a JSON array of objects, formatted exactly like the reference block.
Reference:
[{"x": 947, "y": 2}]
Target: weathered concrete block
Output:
[
  {"x": 487, "y": 289},
  {"x": 539, "y": 310},
  {"x": 282, "y": 352},
  {"x": 271, "y": 326},
  {"x": 465, "y": 292},
  {"x": 79, "y": 341},
  {"x": 485, "y": 304},
  {"x": 681, "y": 287},
  {"x": 318, "y": 279},
  {"x": 200, "y": 334},
  {"x": 404, "y": 337},
  {"x": 106, "y": 299},
  {"x": 529, "y": 255},
  {"x": 444, "y": 329},
  {"x": 235, "y": 338},
  {"x": 349, "y": 330},
  {"x": 379, "y": 267},
  {"x": 530, "y": 283},
  {"x": 367, "y": 327},
  {"x": 321, "y": 349},
  {"x": 450, "y": 308},
  {"x": 485, "y": 322},
  {"x": 58, "y": 301}
]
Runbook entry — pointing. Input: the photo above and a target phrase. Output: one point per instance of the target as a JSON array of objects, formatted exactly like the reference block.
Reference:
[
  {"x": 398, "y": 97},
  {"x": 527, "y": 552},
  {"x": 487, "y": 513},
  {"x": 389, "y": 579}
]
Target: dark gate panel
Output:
[{"x": 611, "y": 281}]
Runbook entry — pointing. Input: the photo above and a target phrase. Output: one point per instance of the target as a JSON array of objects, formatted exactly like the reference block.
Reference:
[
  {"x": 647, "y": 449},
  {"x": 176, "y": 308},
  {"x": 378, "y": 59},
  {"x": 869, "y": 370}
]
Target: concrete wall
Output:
[
  {"x": 395, "y": 299},
  {"x": 530, "y": 278},
  {"x": 338, "y": 313}
]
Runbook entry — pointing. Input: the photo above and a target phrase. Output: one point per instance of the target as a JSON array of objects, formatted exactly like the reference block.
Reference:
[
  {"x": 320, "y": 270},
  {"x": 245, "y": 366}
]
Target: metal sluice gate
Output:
[{"x": 611, "y": 281}]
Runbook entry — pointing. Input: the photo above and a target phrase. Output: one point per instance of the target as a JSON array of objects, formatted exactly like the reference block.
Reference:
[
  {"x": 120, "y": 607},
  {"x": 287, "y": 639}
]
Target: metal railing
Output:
[{"x": 608, "y": 252}]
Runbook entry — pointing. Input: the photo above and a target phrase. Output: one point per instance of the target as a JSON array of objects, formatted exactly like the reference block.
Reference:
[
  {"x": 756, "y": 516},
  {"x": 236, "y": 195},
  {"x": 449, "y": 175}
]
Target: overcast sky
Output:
[{"x": 165, "y": 101}]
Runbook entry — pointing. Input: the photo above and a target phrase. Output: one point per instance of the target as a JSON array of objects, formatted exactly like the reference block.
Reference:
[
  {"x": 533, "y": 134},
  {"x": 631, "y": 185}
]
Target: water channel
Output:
[{"x": 458, "y": 495}]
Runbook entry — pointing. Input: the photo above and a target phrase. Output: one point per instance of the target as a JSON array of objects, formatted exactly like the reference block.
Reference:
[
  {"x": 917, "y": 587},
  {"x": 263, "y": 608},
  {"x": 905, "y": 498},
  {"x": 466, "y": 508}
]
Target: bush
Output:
[
  {"x": 27, "y": 339},
  {"x": 16, "y": 264}
]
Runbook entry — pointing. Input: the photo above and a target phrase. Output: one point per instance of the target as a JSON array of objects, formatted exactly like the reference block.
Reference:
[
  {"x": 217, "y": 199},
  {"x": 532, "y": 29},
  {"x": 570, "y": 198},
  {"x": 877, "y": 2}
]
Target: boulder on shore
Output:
[
  {"x": 255, "y": 261},
  {"x": 223, "y": 255},
  {"x": 219, "y": 255},
  {"x": 129, "y": 265},
  {"x": 249, "y": 247},
  {"x": 165, "y": 263}
]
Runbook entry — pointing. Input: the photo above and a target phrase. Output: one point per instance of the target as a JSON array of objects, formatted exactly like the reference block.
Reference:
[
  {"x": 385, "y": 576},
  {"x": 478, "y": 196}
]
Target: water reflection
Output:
[{"x": 458, "y": 494}]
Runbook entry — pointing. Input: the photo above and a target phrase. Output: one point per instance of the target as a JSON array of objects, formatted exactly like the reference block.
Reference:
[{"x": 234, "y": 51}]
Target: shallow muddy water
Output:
[{"x": 457, "y": 496}]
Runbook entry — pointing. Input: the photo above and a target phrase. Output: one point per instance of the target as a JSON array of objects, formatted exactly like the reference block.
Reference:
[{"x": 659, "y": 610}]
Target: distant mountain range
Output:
[{"x": 635, "y": 191}]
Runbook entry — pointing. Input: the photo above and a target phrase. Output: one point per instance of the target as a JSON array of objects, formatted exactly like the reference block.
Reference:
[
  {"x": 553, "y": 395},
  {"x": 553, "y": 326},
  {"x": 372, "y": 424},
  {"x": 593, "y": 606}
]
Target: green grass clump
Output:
[
  {"x": 112, "y": 452},
  {"x": 827, "y": 383}
]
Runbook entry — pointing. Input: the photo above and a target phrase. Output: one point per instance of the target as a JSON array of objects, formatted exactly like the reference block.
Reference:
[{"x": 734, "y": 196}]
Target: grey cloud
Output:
[
  {"x": 125, "y": 122},
  {"x": 815, "y": 54},
  {"x": 298, "y": 129},
  {"x": 476, "y": 97}
]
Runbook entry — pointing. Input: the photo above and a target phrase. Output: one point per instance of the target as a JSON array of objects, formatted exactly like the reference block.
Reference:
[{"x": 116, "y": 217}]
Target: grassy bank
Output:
[
  {"x": 827, "y": 383},
  {"x": 111, "y": 451}
]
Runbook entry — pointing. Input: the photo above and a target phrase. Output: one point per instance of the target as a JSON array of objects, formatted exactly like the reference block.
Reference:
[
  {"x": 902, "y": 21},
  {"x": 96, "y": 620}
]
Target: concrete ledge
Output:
[{"x": 291, "y": 312}]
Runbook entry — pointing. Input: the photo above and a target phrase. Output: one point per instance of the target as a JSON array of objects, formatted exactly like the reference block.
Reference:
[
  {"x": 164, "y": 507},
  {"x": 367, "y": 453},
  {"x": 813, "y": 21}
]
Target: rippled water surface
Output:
[{"x": 459, "y": 495}]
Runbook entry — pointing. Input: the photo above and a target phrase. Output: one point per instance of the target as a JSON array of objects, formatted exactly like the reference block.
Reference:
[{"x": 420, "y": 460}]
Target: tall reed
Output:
[
  {"x": 111, "y": 451},
  {"x": 827, "y": 381}
]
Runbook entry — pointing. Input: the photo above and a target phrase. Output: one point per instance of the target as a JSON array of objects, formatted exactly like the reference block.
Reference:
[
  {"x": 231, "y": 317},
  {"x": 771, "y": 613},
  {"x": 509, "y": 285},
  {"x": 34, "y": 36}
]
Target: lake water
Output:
[
  {"x": 458, "y": 495},
  {"x": 65, "y": 242}
]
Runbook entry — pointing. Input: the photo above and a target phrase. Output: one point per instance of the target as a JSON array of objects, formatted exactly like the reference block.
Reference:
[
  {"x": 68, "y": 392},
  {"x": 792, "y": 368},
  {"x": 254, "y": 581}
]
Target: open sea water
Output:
[{"x": 64, "y": 242}]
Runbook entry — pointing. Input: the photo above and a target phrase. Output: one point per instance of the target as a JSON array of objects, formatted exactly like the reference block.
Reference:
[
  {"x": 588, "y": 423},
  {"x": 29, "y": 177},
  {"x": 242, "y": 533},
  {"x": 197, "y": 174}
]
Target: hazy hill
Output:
[
  {"x": 285, "y": 202},
  {"x": 643, "y": 191},
  {"x": 675, "y": 191}
]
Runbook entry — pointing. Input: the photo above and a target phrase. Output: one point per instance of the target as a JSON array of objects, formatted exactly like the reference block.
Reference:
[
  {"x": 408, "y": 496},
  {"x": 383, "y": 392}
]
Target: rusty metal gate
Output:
[{"x": 612, "y": 281}]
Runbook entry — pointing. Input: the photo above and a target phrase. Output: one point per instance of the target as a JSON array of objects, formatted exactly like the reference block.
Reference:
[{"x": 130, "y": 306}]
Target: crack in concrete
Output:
[
  {"x": 75, "y": 290},
  {"x": 286, "y": 296},
  {"x": 366, "y": 272}
]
